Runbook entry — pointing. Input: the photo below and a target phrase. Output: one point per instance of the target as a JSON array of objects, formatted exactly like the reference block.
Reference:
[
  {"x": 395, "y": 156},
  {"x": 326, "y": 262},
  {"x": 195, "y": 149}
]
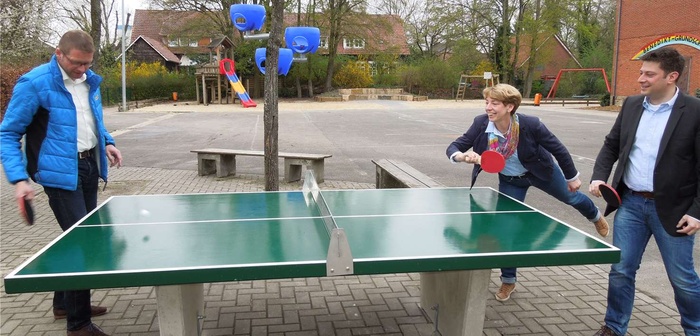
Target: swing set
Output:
[{"x": 553, "y": 90}]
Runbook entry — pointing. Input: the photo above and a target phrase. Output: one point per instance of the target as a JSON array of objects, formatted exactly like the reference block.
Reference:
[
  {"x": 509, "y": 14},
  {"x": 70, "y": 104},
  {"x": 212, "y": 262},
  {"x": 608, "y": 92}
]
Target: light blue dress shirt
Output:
[{"x": 639, "y": 173}]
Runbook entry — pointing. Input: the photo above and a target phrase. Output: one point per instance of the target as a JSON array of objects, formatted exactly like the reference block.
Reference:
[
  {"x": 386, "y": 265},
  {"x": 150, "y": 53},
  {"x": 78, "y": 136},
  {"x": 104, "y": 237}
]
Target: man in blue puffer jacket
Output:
[{"x": 57, "y": 107}]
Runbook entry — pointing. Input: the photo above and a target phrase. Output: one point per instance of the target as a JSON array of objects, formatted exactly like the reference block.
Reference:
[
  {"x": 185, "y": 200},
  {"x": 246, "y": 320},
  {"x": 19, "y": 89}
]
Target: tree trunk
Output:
[
  {"x": 329, "y": 70},
  {"x": 270, "y": 114},
  {"x": 527, "y": 90},
  {"x": 534, "y": 33},
  {"x": 333, "y": 40},
  {"x": 297, "y": 81},
  {"x": 298, "y": 76},
  {"x": 311, "y": 21},
  {"x": 96, "y": 31},
  {"x": 517, "y": 33}
]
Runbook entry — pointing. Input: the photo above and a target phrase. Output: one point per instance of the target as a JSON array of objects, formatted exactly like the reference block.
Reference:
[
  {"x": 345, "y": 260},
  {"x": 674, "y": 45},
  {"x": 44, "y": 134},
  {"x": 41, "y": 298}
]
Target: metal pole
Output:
[{"x": 124, "y": 108}]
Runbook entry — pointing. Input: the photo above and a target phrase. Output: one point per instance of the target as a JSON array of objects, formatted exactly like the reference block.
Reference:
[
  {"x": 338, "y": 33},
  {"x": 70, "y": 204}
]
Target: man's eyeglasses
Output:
[{"x": 78, "y": 63}]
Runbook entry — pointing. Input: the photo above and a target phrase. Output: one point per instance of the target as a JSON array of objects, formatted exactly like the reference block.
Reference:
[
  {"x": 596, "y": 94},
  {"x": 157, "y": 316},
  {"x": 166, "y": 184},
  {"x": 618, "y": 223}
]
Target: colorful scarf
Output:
[{"x": 512, "y": 137}]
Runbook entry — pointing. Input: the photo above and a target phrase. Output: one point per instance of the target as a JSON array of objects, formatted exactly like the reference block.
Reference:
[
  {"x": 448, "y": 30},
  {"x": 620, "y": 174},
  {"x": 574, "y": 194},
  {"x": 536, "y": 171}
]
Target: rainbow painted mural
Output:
[{"x": 683, "y": 39}]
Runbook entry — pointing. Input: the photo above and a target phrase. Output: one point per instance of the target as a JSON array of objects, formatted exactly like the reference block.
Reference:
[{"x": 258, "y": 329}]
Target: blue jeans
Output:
[
  {"x": 635, "y": 222},
  {"x": 556, "y": 187},
  {"x": 69, "y": 207}
]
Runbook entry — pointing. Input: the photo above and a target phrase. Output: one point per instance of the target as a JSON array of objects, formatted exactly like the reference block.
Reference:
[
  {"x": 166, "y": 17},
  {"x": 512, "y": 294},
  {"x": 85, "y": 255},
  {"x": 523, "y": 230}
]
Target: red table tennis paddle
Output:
[
  {"x": 492, "y": 161},
  {"x": 610, "y": 195},
  {"x": 26, "y": 210}
]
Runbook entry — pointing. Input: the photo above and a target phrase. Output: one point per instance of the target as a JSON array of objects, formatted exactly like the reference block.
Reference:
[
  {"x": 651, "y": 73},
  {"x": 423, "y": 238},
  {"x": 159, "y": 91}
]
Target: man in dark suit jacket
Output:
[{"x": 656, "y": 143}]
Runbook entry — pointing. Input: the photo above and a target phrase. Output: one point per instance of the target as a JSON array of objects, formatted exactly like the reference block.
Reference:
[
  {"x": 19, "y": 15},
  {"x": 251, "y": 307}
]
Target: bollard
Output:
[{"x": 538, "y": 97}]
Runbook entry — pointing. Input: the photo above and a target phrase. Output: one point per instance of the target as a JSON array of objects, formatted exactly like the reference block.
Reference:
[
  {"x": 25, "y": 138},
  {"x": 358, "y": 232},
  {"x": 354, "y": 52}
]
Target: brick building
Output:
[{"x": 646, "y": 25}]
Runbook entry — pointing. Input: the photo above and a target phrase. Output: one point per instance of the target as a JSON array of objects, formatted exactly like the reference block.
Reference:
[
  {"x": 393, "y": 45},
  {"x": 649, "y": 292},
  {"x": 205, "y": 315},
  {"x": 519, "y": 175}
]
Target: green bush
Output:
[
  {"x": 146, "y": 81},
  {"x": 605, "y": 100},
  {"x": 313, "y": 68},
  {"x": 697, "y": 93},
  {"x": 386, "y": 80},
  {"x": 408, "y": 77},
  {"x": 430, "y": 77},
  {"x": 537, "y": 87},
  {"x": 437, "y": 75}
]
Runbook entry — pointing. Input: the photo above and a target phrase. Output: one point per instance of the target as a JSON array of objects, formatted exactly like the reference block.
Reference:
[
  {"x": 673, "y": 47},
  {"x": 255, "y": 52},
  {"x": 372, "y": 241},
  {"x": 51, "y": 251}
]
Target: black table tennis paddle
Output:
[
  {"x": 610, "y": 195},
  {"x": 26, "y": 210}
]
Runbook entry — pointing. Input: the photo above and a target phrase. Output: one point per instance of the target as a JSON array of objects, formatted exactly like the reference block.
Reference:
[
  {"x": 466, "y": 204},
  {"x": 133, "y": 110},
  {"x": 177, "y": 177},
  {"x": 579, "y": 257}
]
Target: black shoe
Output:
[
  {"x": 88, "y": 330},
  {"x": 59, "y": 313},
  {"x": 605, "y": 331}
]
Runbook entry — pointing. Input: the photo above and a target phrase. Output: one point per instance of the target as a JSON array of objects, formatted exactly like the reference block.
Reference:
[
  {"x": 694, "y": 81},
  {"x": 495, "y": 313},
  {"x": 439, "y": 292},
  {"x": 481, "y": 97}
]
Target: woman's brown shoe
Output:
[{"x": 601, "y": 225}]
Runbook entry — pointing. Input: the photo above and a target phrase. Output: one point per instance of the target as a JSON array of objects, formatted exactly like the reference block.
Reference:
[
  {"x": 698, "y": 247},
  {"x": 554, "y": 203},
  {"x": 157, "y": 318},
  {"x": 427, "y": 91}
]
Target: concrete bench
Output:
[
  {"x": 223, "y": 162},
  {"x": 398, "y": 174}
]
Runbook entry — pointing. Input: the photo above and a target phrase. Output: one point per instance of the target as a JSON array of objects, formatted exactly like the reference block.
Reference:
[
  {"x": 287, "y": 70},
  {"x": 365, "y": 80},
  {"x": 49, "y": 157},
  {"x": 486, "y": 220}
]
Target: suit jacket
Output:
[
  {"x": 535, "y": 147},
  {"x": 677, "y": 168}
]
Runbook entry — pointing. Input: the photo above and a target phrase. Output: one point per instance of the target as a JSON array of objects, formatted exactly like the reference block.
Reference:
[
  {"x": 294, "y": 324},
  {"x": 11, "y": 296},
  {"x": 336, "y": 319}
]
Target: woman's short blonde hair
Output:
[{"x": 507, "y": 94}]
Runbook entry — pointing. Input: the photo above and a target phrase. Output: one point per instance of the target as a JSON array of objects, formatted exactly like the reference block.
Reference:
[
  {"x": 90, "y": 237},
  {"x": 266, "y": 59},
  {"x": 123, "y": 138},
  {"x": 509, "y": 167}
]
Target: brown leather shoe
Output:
[
  {"x": 605, "y": 331},
  {"x": 505, "y": 291},
  {"x": 601, "y": 225},
  {"x": 88, "y": 330},
  {"x": 94, "y": 311}
]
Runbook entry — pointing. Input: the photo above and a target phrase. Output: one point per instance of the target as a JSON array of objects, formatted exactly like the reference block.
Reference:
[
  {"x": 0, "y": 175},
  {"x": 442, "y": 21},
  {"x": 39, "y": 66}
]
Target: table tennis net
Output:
[{"x": 312, "y": 194}]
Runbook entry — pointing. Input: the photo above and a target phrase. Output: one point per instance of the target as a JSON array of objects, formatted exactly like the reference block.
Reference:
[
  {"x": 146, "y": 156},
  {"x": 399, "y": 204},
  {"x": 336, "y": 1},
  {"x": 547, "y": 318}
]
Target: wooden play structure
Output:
[
  {"x": 475, "y": 82},
  {"x": 210, "y": 80}
]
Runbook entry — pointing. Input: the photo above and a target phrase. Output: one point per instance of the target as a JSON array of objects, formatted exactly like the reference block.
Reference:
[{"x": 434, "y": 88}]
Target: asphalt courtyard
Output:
[{"x": 156, "y": 142}]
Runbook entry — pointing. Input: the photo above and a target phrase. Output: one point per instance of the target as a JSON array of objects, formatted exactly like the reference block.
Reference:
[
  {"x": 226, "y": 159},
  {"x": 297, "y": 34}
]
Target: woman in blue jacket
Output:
[{"x": 528, "y": 147}]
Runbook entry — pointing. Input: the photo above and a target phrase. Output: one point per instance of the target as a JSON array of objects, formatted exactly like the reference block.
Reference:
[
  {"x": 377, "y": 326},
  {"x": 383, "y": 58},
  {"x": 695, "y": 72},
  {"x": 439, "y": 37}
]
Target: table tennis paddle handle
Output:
[{"x": 26, "y": 210}]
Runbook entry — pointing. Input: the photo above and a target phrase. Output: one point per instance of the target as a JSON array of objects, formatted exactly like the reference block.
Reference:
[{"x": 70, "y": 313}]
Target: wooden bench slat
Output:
[
  {"x": 259, "y": 153},
  {"x": 223, "y": 162},
  {"x": 398, "y": 174}
]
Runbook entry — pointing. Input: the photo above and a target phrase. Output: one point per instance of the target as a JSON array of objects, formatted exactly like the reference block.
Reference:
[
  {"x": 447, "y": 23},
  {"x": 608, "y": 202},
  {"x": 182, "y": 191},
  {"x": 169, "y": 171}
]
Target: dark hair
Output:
[
  {"x": 669, "y": 59},
  {"x": 76, "y": 39}
]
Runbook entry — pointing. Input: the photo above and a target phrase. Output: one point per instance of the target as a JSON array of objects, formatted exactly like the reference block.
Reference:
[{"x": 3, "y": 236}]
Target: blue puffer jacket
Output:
[{"x": 42, "y": 108}]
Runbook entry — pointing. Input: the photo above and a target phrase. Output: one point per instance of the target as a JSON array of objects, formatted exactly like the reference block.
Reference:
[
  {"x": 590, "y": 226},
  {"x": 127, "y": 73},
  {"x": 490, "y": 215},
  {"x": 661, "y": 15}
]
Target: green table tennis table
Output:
[{"x": 453, "y": 236}]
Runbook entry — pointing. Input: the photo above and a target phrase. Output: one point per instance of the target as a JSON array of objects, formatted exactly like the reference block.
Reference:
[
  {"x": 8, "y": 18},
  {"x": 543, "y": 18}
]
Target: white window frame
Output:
[
  {"x": 372, "y": 68},
  {"x": 183, "y": 42},
  {"x": 355, "y": 43}
]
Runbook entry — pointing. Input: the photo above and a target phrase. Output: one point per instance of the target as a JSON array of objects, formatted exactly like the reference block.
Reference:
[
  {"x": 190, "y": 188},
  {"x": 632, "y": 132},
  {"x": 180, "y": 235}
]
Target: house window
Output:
[
  {"x": 363, "y": 65},
  {"x": 182, "y": 42},
  {"x": 368, "y": 67},
  {"x": 354, "y": 43},
  {"x": 324, "y": 42},
  {"x": 372, "y": 68}
]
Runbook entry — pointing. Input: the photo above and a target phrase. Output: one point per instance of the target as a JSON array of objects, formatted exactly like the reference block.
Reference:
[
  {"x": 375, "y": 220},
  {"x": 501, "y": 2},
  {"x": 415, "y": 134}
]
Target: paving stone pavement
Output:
[{"x": 548, "y": 300}]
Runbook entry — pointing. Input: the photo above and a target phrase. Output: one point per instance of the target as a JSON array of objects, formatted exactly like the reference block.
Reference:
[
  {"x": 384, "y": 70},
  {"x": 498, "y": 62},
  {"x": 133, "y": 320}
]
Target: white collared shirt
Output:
[{"x": 80, "y": 92}]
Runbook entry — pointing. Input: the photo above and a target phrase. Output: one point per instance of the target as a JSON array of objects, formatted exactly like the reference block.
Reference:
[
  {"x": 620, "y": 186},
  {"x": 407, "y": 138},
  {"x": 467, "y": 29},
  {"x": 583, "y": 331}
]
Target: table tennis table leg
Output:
[
  {"x": 180, "y": 308},
  {"x": 459, "y": 298}
]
